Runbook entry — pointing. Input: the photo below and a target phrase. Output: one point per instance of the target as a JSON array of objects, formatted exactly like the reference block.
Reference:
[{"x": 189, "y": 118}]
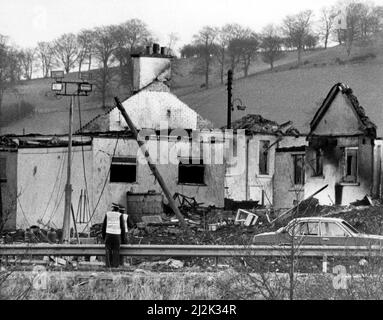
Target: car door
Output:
[
  {"x": 333, "y": 234},
  {"x": 306, "y": 233}
]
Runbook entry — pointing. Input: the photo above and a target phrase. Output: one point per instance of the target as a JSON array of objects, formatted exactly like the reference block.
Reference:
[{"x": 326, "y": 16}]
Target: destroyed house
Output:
[
  {"x": 108, "y": 168},
  {"x": 107, "y": 165},
  {"x": 341, "y": 150},
  {"x": 255, "y": 155}
]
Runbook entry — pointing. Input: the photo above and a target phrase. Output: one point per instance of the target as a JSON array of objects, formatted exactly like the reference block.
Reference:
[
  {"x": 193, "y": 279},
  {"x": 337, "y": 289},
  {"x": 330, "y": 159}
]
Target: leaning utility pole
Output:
[
  {"x": 229, "y": 97},
  {"x": 152, "y": 167}
]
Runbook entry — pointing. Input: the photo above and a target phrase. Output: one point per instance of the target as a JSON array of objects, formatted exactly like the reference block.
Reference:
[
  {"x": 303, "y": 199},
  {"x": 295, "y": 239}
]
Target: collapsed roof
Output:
[
  {"x": 366, "y": 124},
  {"x": 255, "y": 123}
]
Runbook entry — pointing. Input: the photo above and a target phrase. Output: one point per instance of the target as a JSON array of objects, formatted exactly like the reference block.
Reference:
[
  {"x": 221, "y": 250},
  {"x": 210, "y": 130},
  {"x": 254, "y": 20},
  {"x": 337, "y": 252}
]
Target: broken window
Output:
[
  {"x": 350, "y": 164},
  {"x": 123, "y": 170},
  {"x": 299, "y": 169},
  {"x": 264, "y": 156},
  {"x": 191, "y": 171},
  {"x": 3, "y": 170}
]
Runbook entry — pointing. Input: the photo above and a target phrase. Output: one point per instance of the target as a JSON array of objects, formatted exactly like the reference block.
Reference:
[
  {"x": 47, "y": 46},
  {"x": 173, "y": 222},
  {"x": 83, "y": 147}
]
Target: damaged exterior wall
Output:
[
  {"x": 378, "y": 169},
  {"x": 244, "y": 182},
  {"x": 9, "y": 188},
  {"x": 41, "y": 179},
  {"x": 211, "y": 193},
  {"x": 285, "y": 191},
  {"x": 339, "y": 191},
  {"x": 345, "y": 137}
]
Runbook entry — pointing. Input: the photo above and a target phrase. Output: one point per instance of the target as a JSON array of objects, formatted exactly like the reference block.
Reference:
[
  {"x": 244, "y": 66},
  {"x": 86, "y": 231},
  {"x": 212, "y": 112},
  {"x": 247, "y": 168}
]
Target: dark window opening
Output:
[
  {"x": 351, "y": 165},
  {"x": 299, "y": 169},
  {"x": 319, "y": 162},
  {"x": 3, "y": 170},
  {"x": 123, "y": 170},
  {"x": 264, "y": 157},
  {"x": 191, "y": 172}
]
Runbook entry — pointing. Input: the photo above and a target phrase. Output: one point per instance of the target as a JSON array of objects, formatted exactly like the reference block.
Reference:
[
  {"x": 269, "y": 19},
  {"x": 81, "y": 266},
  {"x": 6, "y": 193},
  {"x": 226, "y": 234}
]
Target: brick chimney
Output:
[{"x": 152, "y": 65}]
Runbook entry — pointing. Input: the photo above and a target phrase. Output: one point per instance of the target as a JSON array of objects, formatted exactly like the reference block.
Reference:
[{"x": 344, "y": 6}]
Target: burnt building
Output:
[{"x": 340, "y": 150}]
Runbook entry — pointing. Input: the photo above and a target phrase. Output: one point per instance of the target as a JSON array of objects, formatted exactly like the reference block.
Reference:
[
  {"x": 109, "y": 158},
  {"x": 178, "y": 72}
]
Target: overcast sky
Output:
[{"x": 30, "y": 21}]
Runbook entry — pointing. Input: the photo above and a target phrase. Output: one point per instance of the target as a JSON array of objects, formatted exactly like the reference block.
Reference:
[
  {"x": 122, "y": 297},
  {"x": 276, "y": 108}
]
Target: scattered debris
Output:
[
  {"x": 246, "y": 217},
  {"x": 152, "y": 219},
  {"x": 235, "y": 205},
  {"x": 366, "y": 201}
]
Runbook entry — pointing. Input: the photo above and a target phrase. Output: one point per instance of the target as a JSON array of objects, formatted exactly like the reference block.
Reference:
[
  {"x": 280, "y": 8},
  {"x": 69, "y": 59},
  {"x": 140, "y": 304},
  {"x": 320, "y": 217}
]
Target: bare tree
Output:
[
  {"x": 234, "y": 49},
  {"x": 85, "y": 46},
  {"x": 271, "y": 45},
  {"x": 296, "y": 28},
  {"x": 326, "y": 23},
  {"x": 129, "y": 36},
  {"x": 173, "y": 39},
  {"x": 65, "y": 50},
  {"x": 225, "y": 35},
  {"x": 206, "y": 41},
  {"x": 27, "y": 59},
  {"x": 10, "y": 71},
  {"x": 45, "y": 53},
  {"x": 250, "y": 46},
  {"x": 104, "y": 47},
  {"x": 243, "y": 48}
]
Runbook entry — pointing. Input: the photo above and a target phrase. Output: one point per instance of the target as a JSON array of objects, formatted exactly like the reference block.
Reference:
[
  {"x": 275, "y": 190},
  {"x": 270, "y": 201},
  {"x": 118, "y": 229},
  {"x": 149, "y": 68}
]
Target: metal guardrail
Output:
[{"x": 190, "y": 250}]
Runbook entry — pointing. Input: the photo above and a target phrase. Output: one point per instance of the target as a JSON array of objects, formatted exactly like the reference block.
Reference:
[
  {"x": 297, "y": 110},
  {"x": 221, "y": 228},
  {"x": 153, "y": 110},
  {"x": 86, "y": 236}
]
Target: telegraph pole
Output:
[
  {"x": 70, "y": 89},
  {"x": 229, "y": 97},
  {"x": 68, "y": 186}
]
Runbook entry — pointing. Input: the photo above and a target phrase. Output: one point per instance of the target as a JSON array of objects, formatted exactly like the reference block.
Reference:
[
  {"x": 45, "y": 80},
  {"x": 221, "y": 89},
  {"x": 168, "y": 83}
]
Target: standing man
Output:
[{"x": 113, "y": 229}]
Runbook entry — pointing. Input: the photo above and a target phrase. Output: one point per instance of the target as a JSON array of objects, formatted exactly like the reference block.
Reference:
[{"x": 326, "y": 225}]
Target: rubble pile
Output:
[
  {"x": 366, "y": 219},
  {"x": 255, "y": 123},
  {"x": 229, "y": 234}
]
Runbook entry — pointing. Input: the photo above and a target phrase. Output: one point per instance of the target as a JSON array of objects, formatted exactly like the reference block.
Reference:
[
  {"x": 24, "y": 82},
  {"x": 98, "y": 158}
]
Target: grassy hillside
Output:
[
  {"x": 287, "y": 93},
  {"x": 294, "y": 94}
]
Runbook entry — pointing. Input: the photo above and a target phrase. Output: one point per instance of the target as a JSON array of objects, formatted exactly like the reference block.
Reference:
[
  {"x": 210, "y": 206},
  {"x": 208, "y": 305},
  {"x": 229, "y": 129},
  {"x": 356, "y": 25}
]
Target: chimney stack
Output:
[
  {"x": 156, "y": 48},
  {"x": 153, "y": 64}
]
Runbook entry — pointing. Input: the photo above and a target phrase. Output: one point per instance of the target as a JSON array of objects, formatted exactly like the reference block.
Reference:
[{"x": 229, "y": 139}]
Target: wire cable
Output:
[
  {"x": 105, "y": 182},
  {"x": 83, "y": 156}
]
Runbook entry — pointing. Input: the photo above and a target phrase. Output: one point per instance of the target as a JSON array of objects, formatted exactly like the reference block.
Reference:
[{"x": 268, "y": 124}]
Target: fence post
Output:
[{"x": 324, "y": 264}]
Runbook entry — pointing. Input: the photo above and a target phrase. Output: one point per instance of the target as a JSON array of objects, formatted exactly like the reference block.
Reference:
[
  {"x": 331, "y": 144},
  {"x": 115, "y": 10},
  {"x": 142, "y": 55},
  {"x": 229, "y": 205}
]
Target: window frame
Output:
[
  {"x": 3, "y": 179},
  {"x": 266, "y": 154},
  {"x": 294, "y": 157},
  {"x": 300, "y": 223},
  {"x": 345, "y": 177},
  {"x": 123, "y": 161},
  {"x": 337, "y": 224},
  {"x": 191, "y": 162},
  {"x": 318, "y": 163}
]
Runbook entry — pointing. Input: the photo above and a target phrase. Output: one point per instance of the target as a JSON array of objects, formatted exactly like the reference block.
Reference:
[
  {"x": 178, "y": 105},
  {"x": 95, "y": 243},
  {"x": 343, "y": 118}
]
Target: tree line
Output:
[
  {"x": 99, "y": 48},
  {"x": 236, "y": 46}
]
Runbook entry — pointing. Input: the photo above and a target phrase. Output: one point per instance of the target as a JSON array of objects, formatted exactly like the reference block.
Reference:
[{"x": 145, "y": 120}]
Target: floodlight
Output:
[
  {"x": 57, "y": 74},
  {"x": 86, "y": 87},
  {"x": 57, "y": 86}
]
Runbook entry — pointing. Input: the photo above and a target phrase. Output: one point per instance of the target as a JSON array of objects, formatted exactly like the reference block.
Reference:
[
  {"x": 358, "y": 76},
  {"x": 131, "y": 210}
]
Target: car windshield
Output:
[{"x": 350, "y": 227}]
